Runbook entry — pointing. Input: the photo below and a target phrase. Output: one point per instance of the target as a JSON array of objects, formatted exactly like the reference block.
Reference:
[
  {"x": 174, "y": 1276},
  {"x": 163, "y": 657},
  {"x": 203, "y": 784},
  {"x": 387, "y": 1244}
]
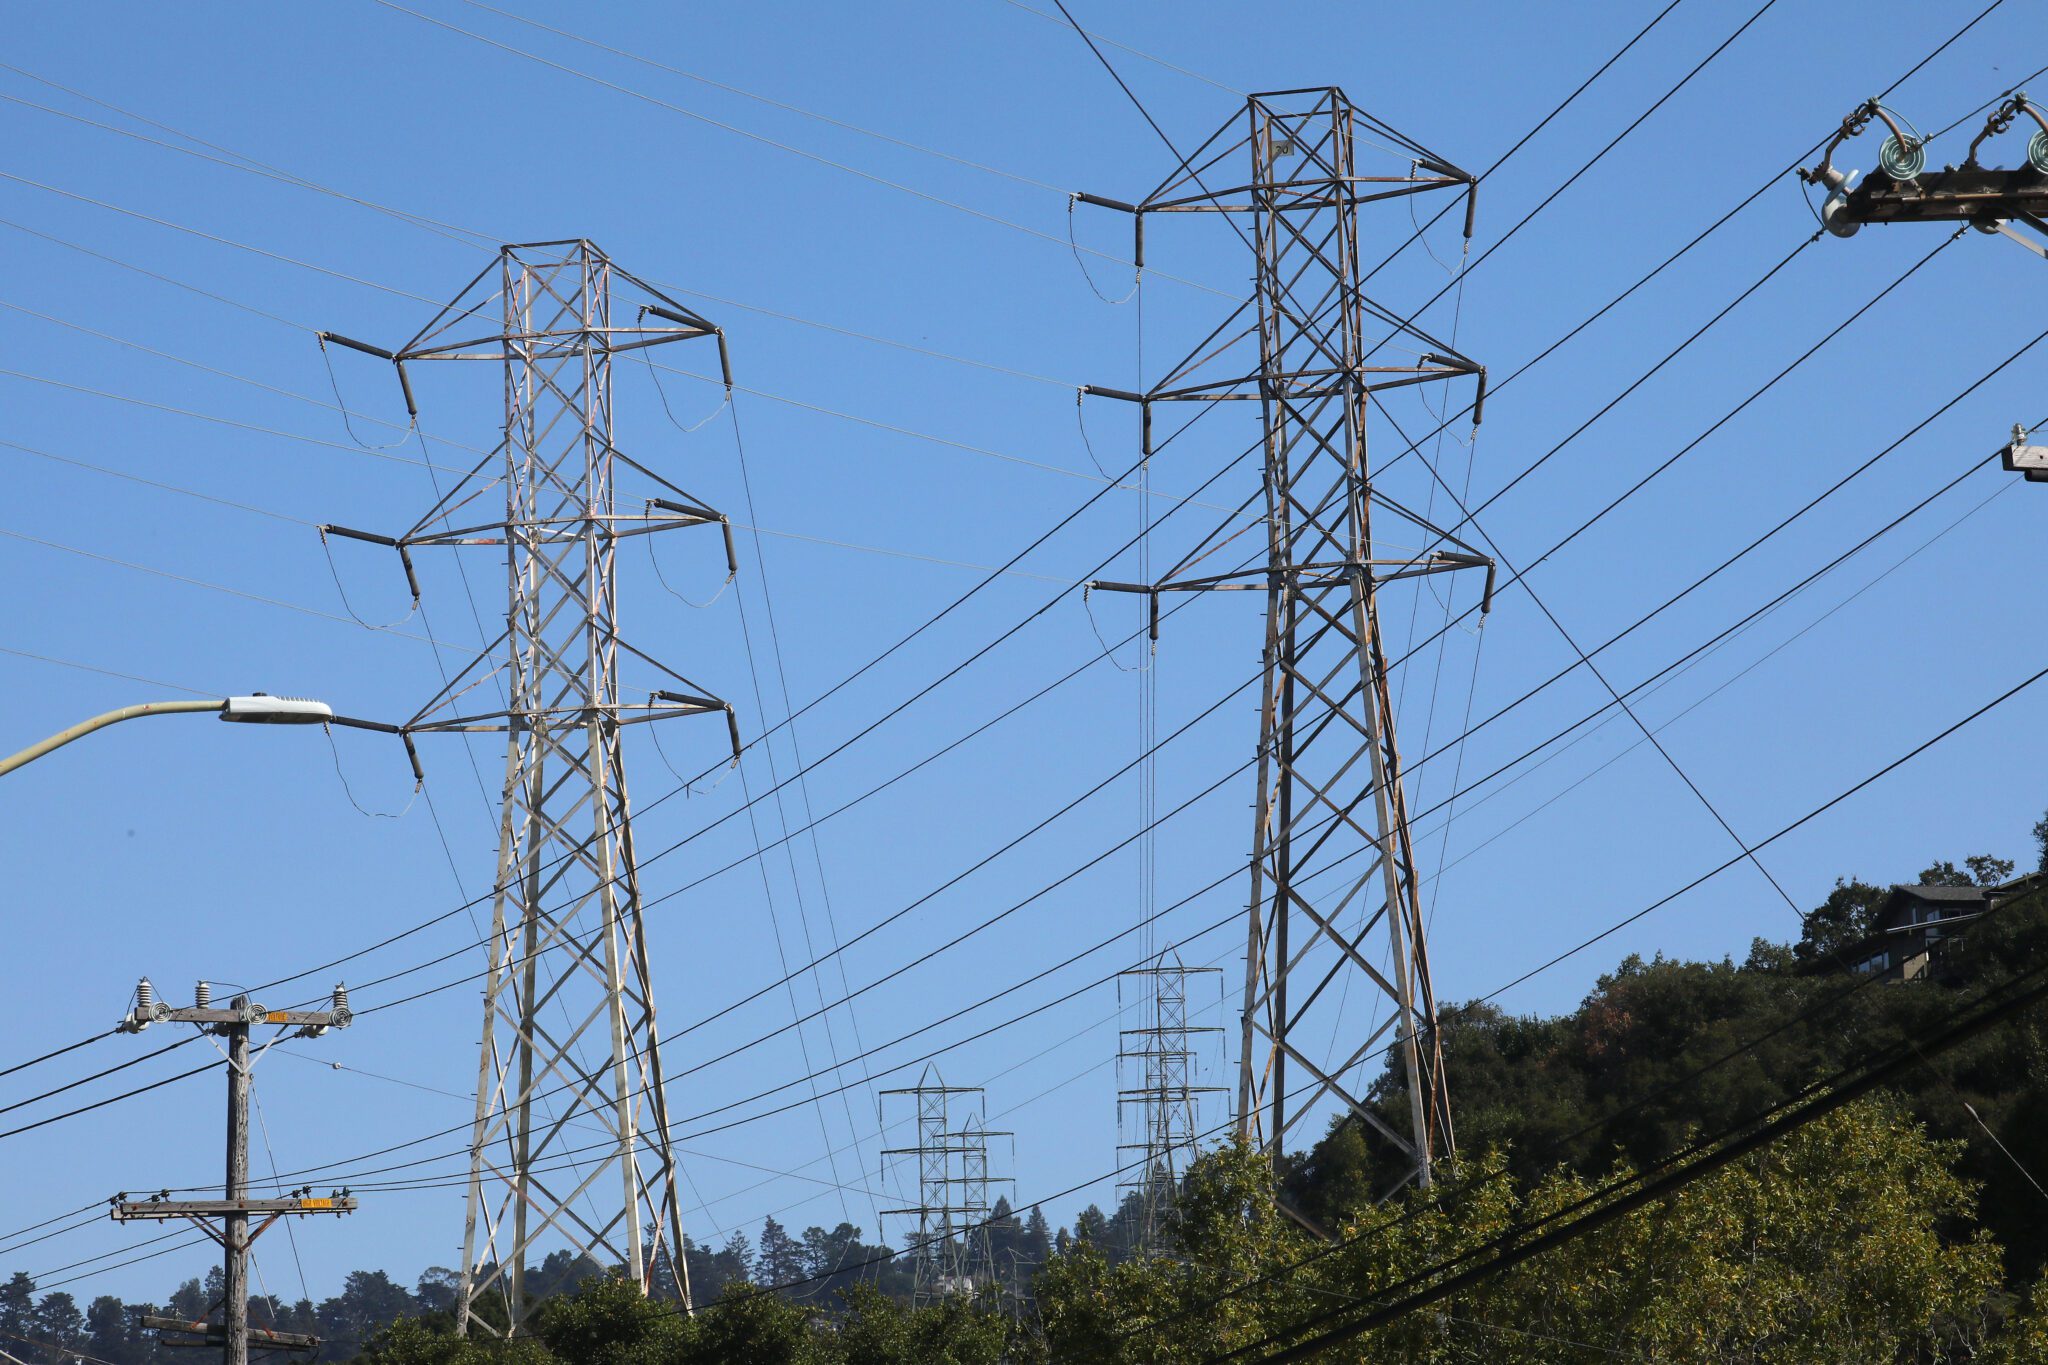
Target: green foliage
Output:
[
  {"x": 608, "y": 1321},
  {"x": 746, "y": 1326},
  {"x": 1827, "y": 1246},
  {"x": 1840, "y": 921},
  {"x": 420, "y": 1341},
  {"x": 878, "y": 1330}
]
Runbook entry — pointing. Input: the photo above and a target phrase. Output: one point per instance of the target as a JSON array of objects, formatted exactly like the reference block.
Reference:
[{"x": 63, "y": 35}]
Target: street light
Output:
[{"x": 256, "y": 709}]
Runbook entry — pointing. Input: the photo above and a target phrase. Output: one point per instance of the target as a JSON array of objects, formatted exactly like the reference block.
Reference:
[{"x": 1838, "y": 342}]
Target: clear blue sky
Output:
[{"x": 183, "y": 849}]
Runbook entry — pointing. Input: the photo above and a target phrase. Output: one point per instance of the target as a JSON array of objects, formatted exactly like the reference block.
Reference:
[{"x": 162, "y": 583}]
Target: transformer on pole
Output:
[
  {"x": 1331, "y": 796},
  {"x": 569, "y": 1039}
]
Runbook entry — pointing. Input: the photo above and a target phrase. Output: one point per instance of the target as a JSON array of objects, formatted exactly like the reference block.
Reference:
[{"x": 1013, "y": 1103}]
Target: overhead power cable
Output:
[
  {"x": 1781, "y": 833},
  {"x": 57, "y": 1052},
  {"x": 823, "y": 696},
  {"x": 137, "y": 1060},
  {"x": 111, "y": 1099},
  {"x": 1496, "y": 773},
  {"x": 1634, "y": 916},
  {"x": 813, "y": 114},
  {"x": 674, "y": 108}
]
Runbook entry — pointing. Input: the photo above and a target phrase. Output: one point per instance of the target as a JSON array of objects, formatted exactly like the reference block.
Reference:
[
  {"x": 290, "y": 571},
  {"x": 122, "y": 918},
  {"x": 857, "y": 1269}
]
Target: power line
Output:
[
  {"x": 87, "y": 1080},
  {"x": 111, "y": 1099},
  {"x": 674, "y": 108},
  {"x": 57, "y": 1052}
]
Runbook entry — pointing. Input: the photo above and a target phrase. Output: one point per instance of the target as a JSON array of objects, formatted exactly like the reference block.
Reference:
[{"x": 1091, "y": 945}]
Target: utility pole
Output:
[
  {"x": 1156, "y": 1071},
  {"x": 1331, "y": 795},
  {"x": 951, "y": 1252},
  {"x": 234, "y": 1023},
  {"x": 568, "y": 949}
]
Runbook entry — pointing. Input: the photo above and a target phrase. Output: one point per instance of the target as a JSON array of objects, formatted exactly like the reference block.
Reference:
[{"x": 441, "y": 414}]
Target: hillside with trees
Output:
[{"x": 1907, "y": 1226}]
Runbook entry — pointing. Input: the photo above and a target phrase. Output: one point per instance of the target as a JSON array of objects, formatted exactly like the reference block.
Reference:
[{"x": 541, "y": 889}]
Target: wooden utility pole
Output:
[{"x": 234, "y": 1024}]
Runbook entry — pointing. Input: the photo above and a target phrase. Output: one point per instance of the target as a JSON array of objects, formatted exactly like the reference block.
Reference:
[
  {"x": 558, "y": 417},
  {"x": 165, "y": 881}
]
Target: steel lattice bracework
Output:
[
  {"x": 1330, "y": 789},
  {"x": 568, "y": 952},
  {"x": 951, "y": 1254},
  {"x": 1157, "y": 1099}
]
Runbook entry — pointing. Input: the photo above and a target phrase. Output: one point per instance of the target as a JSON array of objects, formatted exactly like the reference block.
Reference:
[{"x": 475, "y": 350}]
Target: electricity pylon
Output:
[
  {"x": 1157, "y": 1095},
  {"x": 568, "y": 950},
  {"x": 1331, "y": 795},
  {"x": 951, "y": 1254}
]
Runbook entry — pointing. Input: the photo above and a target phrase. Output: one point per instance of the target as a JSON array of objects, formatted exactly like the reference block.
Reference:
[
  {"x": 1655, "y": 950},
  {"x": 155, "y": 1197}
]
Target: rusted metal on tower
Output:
[
  {"x": 568, "y": 955},
  {"x": 1331, "y": 796}
]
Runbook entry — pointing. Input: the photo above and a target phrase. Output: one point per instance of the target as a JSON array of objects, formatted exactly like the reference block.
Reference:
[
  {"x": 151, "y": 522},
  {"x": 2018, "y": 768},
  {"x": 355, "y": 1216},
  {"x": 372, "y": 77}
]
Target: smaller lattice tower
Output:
[
  {"x": 950, "y": 1249},
  {"x": 1158, "y": 1102}
]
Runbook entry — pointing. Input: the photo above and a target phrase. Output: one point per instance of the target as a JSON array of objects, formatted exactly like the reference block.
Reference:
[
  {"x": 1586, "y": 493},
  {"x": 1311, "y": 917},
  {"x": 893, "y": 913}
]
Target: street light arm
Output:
[{"x": 100, "y": 722}]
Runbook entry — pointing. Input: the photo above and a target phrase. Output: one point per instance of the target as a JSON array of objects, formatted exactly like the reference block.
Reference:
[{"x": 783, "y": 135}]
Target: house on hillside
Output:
[{"x": 1914, "y": 926}]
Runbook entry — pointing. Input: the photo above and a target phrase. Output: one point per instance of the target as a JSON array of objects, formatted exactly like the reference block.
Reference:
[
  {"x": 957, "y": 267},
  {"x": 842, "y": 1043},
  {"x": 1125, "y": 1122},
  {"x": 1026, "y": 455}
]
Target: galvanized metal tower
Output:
[
  {"x": 950, "y": 1253},
  {"x": 569, "y": 1039},
  {"x": 1306, "y": 348},
  {"x": 1157, "y": 1098}
]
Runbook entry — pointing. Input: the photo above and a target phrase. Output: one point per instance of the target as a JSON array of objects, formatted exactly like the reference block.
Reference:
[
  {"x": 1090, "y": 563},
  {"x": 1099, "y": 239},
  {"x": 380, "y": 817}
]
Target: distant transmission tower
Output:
[
  {"x": 1330, "y": 789},
  {"x": 568, "y": 952},
  {"x": 951, "y": 1254},
  {"x": 1158, "y": 1102}
]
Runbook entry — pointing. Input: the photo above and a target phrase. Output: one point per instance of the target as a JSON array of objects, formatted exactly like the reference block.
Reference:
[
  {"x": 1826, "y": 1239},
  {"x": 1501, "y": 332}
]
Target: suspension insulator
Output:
[{"x": 2037, "y": 151}]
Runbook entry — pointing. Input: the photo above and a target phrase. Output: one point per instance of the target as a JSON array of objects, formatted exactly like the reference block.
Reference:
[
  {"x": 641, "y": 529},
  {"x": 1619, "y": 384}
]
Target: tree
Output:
[
  {"x": 437, "y": 1288},
  {"x": 1986, "y": 870},
  {"x": 1841, "y": 920},
  {"x": 1091, "y": 1225},
  {"x": 608, "y": 1321},
  {"x": 1945, "y": 873},
  {"x": 780, "y": 1259},
  {"x": 59, "y": 1323},
  {"x": 879, "y": 1331},
  {"x": 17, "y": 1305},
  {"x": 189, "y": 1301},
  {"x": 1036, "y": 1244},
  {"x": 1759, "y": 1261},
  {"x": 142, "y": 1343},
  {"x": 368, "y": 1300},
  {"x": 106, "y": 1329}
]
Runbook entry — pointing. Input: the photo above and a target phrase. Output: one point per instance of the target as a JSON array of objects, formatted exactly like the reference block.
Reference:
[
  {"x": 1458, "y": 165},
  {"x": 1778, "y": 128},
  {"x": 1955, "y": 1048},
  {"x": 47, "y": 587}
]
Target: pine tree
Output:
[
  {"x": 60, "y": 1325},
  {"x": 780, "y": 1259},
  {"x": 106, "y": 1329},
  {"x": 17, "y": 1305},
  {"x": 1036, "y": 1244}
]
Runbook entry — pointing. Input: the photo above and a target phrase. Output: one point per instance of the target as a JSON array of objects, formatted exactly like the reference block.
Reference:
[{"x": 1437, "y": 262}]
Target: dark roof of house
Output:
[{"x": 1941, "y": 893}]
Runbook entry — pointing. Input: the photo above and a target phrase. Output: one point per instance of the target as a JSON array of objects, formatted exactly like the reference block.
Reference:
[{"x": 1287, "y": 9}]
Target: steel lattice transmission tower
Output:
[
  {"x": 951, "y": 1254},
  {"x": 569, "y": 1040},
  {"x": 1157, "y": 1099},
  {"x": 1330, "y": 796}
]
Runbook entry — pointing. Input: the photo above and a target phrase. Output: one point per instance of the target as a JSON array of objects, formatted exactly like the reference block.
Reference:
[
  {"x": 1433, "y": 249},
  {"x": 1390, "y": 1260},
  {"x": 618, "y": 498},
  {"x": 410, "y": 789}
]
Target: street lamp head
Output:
[{"x": 260, "y": 708}]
